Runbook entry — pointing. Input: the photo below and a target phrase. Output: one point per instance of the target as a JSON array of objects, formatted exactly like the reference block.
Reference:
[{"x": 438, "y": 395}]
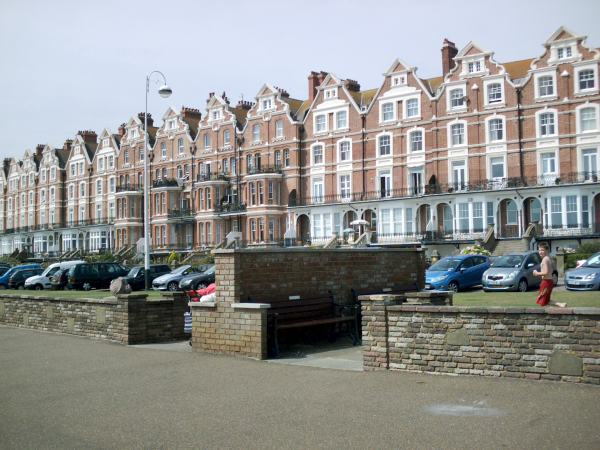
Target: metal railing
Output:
[
  {"x": 129, "y": 188},
  {"x": 180, "y": 213},
  {"x": 165, "y": 182},
  {"x": 263, "y": 169},
  {"x": 212, "y": 177},
  {"x": 230, "y": 208}
]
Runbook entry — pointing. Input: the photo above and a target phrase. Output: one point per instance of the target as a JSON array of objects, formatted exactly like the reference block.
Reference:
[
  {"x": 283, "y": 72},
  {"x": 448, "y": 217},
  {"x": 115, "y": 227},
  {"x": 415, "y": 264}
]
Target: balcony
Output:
[
  {"x": 264, "y": 170},
  {"x": 89, "y": 222},
  {"x": 570, "y": 230},
  {"x": 180, "y": 213},
  {"x": 129, "y": 188},
  {"x": 450, "y": 188},
  {"x": 230, "y": 208},
  {"x": 166, "y": 182},
  {"x": 202, "y": 178}
]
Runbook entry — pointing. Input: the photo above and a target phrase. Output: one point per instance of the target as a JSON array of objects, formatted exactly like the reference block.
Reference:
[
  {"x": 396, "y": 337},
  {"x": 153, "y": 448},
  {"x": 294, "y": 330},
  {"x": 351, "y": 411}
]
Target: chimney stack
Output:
[
  {"x": 67, "y": 145},
  {"x": 314, "y": 81},
  {"x": 190, "y": 113},
  {"x": 122, "y": 130},
  {"x": 245, "y": 104},
  {"x": 352, "y": 85},
  {"x": 449, "y": 51},
  {"x": 89, "y": 136},
  {"x": 150, "y": 119}
]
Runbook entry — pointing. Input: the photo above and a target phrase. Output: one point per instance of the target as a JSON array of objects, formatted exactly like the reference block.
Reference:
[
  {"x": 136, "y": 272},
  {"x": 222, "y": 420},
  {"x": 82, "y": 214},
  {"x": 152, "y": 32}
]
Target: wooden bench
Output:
[{"x": 298, "y": 312}]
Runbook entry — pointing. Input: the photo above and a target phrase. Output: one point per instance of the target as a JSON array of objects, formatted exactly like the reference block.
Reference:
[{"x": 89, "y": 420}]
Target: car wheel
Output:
[
  {"x": 172, "y": 286},
  {"x": 523, "y": 286},
  {"x": 453, "y": 286},
  {"x": 39, "y": 287},
  {"x": 555, "y": 279},
  {"x": 87, "y": 287}
]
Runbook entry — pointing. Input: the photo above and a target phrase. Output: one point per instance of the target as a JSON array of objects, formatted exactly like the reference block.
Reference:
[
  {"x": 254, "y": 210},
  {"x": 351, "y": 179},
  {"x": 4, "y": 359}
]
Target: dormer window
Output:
[
  {"x": 475, "y": 66},
  {"x": 330, "y": 93},
  {"x": 215, "y": 114},
  {"x": 133, "y": 133},
  {"x": 77, "y": 149},
  {"x": 172, "y": 124},
  {"x": 398, "y": 80},
  {"x": 564, "y": 52},
  {"x": 266, "y": 104},
  {"x": 105, "y": 142}
]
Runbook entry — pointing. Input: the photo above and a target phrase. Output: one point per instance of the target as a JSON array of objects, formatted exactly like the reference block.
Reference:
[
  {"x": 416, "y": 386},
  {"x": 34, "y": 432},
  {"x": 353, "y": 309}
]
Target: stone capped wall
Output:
[
  {"x": 532, "y": 343},
  {"x": 128, "y": 319}
]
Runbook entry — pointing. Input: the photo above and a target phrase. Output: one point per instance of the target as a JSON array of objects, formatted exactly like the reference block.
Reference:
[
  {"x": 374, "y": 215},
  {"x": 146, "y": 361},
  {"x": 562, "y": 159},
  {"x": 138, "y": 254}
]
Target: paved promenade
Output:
[{"x": 66, "y": 392}]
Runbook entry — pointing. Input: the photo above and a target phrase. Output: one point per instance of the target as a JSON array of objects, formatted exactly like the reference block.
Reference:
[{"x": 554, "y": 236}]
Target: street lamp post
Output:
[{"x": 164, "y": 91}]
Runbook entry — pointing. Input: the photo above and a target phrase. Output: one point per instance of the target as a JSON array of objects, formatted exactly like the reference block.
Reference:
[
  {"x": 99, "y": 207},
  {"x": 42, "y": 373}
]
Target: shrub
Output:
[
  {"x": 475, "y": 250},
  {"x": 173, "y": 258}
]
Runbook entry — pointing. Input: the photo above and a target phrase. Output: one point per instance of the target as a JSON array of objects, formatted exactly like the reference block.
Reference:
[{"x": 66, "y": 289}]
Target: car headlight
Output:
[
  {"x": 512, "y": 275},
  {"x": 438, "y": 278},
  {"x": 591, "y": 276}
]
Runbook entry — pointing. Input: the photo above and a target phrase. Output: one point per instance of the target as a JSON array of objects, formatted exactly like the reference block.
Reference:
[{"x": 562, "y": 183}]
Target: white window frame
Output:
[
  {"x": 409, "y": 140},
  {"x": 478, "y": 65},
  {"x": 588, "y": 174},
  {"x": 399, "y": 80},
  {"x": 490, "y": 175},
  {"x": 180, "y": 146},
  {"x": 538, "y": 125},
  {"x": 579, "y": 111},
  {"x": 405, "y": 109},
  {"x": 318, "y": 197},
  {"x": 339, "y": 150},
  {"x": 465, "y": 134},
  {"x": 578, "y": 70},
  {"x": 312, "y": 154},
  {"x": 391, "y": 144},
  {"x": 537, "y": 86},
  {"x": 163, "y": 150},
  {"x": 267, "y": 104},
  {"x": 341, "y": 191},
  {"x": 256, "y": 133},
  {"x": 382, "y": 113},
  {"x": 226, "y": 137},
  {"x": 486, "y": 87},
  {"x": 488, "y": 129},
  {"x": 453, "y": 180},
  {"x": 546, "y": 176},
  {"x": 316, "y": 123},
  {"x": 330, "y": 93},
  {"x": 279, "y": 129},
  {"x": 454, "y": 88},
  {"x": 337, "y": 120}
]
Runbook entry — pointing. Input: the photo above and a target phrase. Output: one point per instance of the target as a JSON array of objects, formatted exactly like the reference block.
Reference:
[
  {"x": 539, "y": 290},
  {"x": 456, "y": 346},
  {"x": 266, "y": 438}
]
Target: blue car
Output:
[
  {"x": 6, "y": 275},
  {"x": 453, "y": 273}
]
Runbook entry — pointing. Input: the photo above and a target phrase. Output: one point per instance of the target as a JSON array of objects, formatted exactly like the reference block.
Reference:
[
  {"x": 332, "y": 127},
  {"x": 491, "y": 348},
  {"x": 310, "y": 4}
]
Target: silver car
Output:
[
  {"x": 585, "y": 277},
  {"x": 513, "y": 272},
  {"x": 170, "y": 281}
]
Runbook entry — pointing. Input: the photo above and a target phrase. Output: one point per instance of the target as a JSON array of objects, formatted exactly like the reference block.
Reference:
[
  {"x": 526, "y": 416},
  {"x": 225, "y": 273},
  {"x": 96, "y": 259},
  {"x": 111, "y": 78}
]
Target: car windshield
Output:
[
  {"x": 50, "y": 271},
  {"x": 594, "y": 261},
  {"x": 180, "y": 270},
  {"x": 210, "y": 270},
  {"x": 133, "y": 272},
  {"x": 446, "y": 264},
  {"x": 508, "y": 261}
]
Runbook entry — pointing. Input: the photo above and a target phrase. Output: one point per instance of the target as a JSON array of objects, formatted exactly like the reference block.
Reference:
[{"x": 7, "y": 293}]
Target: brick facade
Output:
[{"x": 506, "y": 146}]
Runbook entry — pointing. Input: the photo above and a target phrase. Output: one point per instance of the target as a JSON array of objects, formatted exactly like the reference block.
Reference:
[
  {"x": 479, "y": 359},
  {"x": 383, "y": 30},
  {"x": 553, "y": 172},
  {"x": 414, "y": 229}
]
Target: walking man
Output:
[{"x": 545, "y": 272}]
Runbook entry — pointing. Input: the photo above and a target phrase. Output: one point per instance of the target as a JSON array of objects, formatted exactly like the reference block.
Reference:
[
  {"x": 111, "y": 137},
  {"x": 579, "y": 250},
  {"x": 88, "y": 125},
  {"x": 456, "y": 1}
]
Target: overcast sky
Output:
[{"x": 69, "y": 65}]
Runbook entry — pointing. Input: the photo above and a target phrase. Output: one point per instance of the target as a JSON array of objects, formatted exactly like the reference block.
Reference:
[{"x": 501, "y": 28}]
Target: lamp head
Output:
[{"x": 165, "y": 91}]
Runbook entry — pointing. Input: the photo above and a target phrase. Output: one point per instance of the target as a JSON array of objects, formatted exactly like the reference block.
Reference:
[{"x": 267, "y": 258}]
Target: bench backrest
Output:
[{"x": 300, "y": 309}]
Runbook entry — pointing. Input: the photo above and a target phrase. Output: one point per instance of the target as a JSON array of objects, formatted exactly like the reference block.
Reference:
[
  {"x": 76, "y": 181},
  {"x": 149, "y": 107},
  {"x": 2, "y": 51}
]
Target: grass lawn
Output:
[
  {"x": 480, "y": 298},
  {"x": 71, "y": 294}
]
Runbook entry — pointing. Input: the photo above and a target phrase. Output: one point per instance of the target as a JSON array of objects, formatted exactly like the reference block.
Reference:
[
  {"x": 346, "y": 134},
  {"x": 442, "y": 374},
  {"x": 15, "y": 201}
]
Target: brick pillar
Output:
[
  {"x": 134, "y": 318},
  {"x": 376, "y": 351}
]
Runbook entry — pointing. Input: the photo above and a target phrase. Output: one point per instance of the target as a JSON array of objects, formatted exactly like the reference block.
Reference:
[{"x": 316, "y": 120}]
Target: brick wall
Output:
[
  {"x": 532, "y": 343},
  {"x": 128, "y": 319},
  {"x": 232, "y": 326}
]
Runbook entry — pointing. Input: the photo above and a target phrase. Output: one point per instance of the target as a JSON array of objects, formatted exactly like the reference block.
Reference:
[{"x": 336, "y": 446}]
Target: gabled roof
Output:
[
  {"x": 562, "y": 34},
  {"x": 471, "y": 49}
]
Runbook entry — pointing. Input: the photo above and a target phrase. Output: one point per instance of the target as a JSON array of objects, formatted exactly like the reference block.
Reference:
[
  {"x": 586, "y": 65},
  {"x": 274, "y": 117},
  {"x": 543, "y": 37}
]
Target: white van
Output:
[{"x": 39, "y": 282}]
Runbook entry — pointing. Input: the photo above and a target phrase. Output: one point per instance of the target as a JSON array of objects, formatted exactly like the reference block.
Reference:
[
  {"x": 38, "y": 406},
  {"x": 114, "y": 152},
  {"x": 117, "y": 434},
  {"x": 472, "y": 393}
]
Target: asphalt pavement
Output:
[{"x": 59, "y": 391}]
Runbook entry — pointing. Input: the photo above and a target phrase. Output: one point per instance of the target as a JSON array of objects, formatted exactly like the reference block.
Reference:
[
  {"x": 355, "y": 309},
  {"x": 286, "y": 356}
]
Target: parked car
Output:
[
  {"x": 198, "y": 280},
  {"x": 586, "y": 277},
  {"x": 6, "y": 276},
  {"x": 17, "y": 279},
  {"x": 94, "y": 275},
  {"x": 456, "y": 272},
  {"x": 42, "y": 281},
  {"x": 3, "y": 268},
  {"x": 170, "y": 281},
  {"x": 136, "y": 276},
  {"x": 60, "y": 279},
  {"x": 513, "y": 272}
]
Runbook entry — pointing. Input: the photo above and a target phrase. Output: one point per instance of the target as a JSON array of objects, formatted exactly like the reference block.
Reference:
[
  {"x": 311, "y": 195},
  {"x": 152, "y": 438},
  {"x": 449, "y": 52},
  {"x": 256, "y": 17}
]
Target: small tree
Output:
[{"x": 475, "y": 250}]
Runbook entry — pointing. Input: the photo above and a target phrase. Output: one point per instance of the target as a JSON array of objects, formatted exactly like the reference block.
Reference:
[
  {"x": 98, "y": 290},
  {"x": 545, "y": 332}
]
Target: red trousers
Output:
[{"x": 545, "y": 291}]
